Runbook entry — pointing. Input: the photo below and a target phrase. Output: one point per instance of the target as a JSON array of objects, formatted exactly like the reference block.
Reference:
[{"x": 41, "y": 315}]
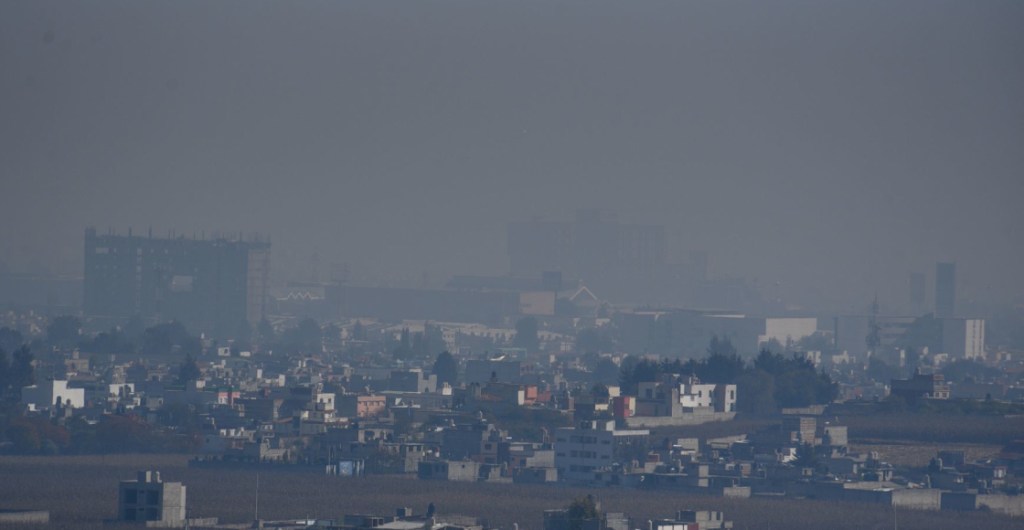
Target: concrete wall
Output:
[
  {"x": 535, "y": 475},
  {"x": 463, "y": 471},
  {"x": 24, "y": 517},
  {"x": 695, "y": 418},
  {"x": 736, "y": 492},
  {"x": 918, "y": 499},
  {"x": 958, "y": 501},
  {"x": 1005, "y": 504}
]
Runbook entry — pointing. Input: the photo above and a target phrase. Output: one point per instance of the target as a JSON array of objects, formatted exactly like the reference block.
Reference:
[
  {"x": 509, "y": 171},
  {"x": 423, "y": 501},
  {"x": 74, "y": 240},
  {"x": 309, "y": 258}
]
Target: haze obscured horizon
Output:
[{"x": 827, "y": 148}]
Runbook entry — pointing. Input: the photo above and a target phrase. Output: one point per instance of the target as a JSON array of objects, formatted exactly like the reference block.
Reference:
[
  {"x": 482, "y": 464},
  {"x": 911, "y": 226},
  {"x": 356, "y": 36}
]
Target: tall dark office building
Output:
[
  {"x": 209, "y": 285},
  {"x": 945, "y": 289}
]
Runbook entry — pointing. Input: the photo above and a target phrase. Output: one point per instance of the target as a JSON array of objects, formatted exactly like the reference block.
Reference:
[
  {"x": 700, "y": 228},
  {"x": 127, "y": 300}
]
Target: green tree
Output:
[
  {"x": 756, "y": 393},
  {"x": 22, "y": 371},
  {"x": 25, "y": 437},
  {"x": 108, "y": 342},
  {"x": 419, "y": 346},
  {"x": 582, "y": 509},
  {"x": 404, "y": 349},
  {"x": 162, "y": 339},
  {"x": 332, "y": 335},
  {"x": 806, "y": 456},
  {"x": 606, "y": 371},
  {"x": 633, "y": 372},
  {"x": 306, "y": 337},
  {"x": 593, "y": 340},
  {"x": 795, "y": 388},
  {"x": 134, "y": 329},
  {"x": 189, "y": 370},
  {"x": 64, "y": 331},
  {"x": 924, "y": 332},
  {"x": 795, "y": 380},
  {"x": 265, "y": 333},
  {"x": 817, "y": 341},
  {"x": 10, "y": 339},
  {"x": 880, "y": 370},
  {"x": 660, "y": 336},
  {"x": 964, "y": 369},
  {"x": 5, "y": 373},
  {"x": 527, "y": 334},
  {"x": 721, "y": 346},
  {"x": 243, "y": 331},
  {"x": 772, "y": 363},
  {"x": 433, "y": 339},
  {"x": 723, "y": 364},
  {"x": 446, "y": 368},
  {"x": 310, "y": 336},
  {"x": 358, "y": 331}
]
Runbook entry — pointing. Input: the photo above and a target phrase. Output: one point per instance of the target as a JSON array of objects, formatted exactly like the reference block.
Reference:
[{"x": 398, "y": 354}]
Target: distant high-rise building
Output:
[
  {"x": 945, "y": 290},
  {"x": 917, "y": 292},
  {"x": 213, "y": 285},
  {"x": 963, "y": 338}
]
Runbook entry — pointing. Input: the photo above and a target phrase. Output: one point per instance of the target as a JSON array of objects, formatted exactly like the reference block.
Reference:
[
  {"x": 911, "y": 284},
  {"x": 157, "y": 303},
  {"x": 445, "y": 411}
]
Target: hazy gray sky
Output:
[{"x": 831, "y": 146}]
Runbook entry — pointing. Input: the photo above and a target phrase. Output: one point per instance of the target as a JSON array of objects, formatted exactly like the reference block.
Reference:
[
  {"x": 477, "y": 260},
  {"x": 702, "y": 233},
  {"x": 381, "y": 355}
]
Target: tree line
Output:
[{"x": 770, "y": 382}]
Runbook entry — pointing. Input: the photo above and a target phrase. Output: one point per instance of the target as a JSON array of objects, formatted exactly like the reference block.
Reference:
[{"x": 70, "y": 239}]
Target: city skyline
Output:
[{"x": 825, "y": 151}]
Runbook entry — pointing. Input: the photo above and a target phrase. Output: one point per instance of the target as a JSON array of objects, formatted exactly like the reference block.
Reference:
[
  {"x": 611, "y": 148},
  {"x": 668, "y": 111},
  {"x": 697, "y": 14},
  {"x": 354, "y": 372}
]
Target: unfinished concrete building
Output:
[{"x": 148, "y": 498}]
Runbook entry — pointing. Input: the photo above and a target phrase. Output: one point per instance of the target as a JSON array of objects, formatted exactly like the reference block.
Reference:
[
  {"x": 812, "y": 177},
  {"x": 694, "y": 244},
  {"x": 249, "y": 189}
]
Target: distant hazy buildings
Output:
[
  {"x": 617, "y": 258},
  {"x": 964, "y": 338},
  {"x": 945, "y": 290},
  {"x": 671, "y": 332},
  {"x": 396, "y": 303},
  {"x": 43, "y": 292},
  {"x": 212, "y": 285},
  {"x": 621, "y": 263},
  {"x": 595, "y": 244},
  {"x": 960, "y": 338}
]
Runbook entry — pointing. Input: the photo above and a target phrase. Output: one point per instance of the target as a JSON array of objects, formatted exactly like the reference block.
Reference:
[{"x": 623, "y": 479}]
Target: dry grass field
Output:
[{"x": 80, "y": 492}]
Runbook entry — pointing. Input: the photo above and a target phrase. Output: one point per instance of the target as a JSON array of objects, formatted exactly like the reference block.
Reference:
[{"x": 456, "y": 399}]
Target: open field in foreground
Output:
[{"x": 80, "y": 492}]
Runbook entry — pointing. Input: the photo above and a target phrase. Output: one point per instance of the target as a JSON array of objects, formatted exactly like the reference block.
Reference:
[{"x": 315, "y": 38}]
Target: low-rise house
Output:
[{"x": 361, "y": 406}]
